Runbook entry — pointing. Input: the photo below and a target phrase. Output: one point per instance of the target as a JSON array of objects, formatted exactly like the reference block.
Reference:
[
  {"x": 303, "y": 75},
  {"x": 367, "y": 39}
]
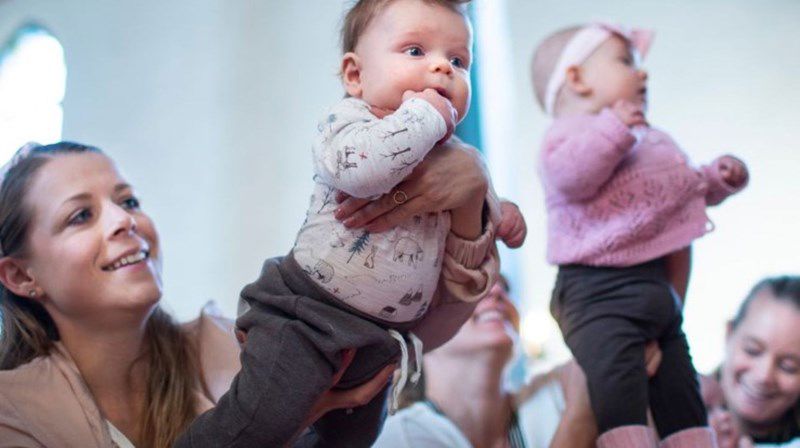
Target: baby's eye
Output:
[
  {"x": 131, "y": 203},
  {"x": 627, "y": 60},
  {"x": 81, "y": 216},
  {"x": 458, "y": 62},
  {"x": 414, "y": 51}
]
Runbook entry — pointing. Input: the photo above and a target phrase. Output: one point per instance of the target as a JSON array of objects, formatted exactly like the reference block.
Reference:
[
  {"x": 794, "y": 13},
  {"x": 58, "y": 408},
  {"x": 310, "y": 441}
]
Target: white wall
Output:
[
  {"x": 208, "y": 106},
  {"x": 723, "y": 78}
]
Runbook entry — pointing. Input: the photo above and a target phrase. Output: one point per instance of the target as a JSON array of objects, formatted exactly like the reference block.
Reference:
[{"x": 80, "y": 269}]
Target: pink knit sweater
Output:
[{"x": 616, "y": 201}]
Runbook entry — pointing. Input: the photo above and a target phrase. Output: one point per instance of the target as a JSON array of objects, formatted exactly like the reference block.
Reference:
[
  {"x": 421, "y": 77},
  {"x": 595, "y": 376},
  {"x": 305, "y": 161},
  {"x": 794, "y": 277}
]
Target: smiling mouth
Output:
[
  {"x": 138, "y": 257},
  {"x": 490, "y": 316}
]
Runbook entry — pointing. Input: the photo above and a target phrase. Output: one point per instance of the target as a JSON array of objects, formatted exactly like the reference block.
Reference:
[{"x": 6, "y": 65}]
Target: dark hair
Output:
[
  {"x": 28, "y": 331},
  {"x": 785, "y": 289},
  {"x": 363, "y": 11}
]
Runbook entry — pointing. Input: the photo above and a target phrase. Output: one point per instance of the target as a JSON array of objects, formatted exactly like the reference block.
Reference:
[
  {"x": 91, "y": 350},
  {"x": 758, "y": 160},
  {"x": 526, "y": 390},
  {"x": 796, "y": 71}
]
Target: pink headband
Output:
[{"x": 582, "y": 45}]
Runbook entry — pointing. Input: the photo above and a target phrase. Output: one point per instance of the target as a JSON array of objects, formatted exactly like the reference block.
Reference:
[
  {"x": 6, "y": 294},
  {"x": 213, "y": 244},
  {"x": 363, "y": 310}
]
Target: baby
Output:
[
  {"x": 405, "y": 69},
  {"x": 623, "y": 207}
]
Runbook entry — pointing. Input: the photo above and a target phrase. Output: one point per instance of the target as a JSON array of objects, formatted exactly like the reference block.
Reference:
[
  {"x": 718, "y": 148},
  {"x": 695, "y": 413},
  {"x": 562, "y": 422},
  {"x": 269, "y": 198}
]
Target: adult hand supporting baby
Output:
[
  {"x": 348, "y": 398},
  {"x": 578, "y": 427},
  {"x": 451, "y": 176}
]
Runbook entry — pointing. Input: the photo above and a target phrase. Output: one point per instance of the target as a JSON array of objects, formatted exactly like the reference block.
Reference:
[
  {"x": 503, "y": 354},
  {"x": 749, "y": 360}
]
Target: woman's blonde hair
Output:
[{"x": 29, "y": 332}]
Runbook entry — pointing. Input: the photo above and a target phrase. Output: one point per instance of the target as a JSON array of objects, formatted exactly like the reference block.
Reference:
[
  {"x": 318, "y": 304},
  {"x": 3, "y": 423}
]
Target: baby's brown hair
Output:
[{"x": 363, "y": 11}]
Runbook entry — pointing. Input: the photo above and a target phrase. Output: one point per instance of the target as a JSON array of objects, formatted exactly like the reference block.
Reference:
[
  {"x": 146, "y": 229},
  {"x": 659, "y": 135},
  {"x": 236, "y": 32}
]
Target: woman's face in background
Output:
[{"x": 761, "y": 372}]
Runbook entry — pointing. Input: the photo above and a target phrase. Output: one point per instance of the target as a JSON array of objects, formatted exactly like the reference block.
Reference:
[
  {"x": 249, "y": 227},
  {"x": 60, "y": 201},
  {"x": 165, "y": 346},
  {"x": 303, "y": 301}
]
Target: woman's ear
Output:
[
  {"x": 575, "y": 82},
  {"x": 351, "y": 74},
  {"x": 17, "y": 278}
]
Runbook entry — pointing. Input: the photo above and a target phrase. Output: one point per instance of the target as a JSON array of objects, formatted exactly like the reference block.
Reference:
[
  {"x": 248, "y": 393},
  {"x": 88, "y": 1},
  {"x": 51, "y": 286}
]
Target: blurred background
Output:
[{"x": 209, "y": 106}]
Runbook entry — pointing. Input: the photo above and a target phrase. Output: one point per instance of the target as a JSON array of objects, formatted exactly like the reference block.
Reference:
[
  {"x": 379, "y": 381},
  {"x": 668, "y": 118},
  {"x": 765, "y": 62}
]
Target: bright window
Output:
[{"x": 33, "y": 78}]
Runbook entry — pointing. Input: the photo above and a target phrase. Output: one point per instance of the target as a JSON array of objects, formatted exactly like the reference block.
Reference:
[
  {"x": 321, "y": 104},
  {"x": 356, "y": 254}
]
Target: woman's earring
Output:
[{"x": 32, "y": 293}]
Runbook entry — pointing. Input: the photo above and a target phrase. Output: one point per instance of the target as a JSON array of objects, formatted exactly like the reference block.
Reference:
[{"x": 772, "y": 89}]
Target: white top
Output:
[
  {"x": 391, "y": 275},
  {"x": 419, "y": 426},
  {"x": 540, "y": 411},
  {"x": 118, "y": 437}
]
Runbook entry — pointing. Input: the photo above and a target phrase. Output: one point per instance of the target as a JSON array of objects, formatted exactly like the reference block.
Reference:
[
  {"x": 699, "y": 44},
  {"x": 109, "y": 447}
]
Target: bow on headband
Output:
[
  {"x": 21, "y": 153},
  {"x": 583, "y": 44}
]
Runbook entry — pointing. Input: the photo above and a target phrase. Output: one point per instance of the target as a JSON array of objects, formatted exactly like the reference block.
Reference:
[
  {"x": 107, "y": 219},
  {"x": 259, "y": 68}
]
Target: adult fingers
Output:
[
  {"x": 364, "y": 393},
  {"x": 347, "y": 358},
  {"x": 404, "y": 193},
  {"x": 396, "y": 216},
  {"x": 652, "y": 358},
  {"x": 349, "y": 206}
]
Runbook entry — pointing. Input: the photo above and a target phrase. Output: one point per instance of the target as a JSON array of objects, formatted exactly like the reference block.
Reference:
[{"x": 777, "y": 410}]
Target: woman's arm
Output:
[{"x": 450, "y": 177}]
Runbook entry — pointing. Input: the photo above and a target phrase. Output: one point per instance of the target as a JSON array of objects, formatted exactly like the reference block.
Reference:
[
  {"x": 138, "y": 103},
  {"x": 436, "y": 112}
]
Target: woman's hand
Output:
[
  {"x": 349, "y": 398},
  {"x": 451, "y": 176},
  {"x": 577, "y": 427}
]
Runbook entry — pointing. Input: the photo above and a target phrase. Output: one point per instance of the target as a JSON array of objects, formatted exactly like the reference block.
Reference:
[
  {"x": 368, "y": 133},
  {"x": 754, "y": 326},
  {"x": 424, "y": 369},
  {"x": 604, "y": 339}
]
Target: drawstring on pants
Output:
[{"x": 401, "y": 374}]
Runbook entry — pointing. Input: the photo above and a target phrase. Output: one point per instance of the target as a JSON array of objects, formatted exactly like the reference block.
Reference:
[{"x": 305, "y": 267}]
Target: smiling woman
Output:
[
  {"x": 756, "y": 392},
  {"x": 87, "y": 357}
]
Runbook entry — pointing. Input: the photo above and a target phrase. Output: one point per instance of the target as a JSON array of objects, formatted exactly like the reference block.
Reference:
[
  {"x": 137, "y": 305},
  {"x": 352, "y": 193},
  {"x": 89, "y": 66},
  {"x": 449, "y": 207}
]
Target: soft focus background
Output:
[{"x": 209, "y": 107}]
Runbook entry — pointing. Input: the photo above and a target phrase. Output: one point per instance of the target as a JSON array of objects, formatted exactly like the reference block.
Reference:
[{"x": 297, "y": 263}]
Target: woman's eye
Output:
[
  {"x": 131, "y": 203},
  {"x": 414, "y": 51},
  {"x": 789, "y": 367},
  {"x": 627, "y": 60},
  {"x": 457, "y": 62},
  {"x": 80, "y": 217},
  {"x": 752, "y": 351}
]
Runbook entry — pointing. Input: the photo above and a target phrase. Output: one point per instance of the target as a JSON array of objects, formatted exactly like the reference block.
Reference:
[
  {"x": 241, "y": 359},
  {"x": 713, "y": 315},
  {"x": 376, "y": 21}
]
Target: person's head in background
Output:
[
  {"x": 486, "y": 339},
  {"x": 391, "y": 47},
  {"x": 81, "y": 262},
  {"x": 760, "y": 376},
  {"x": 584, "y": 69}
]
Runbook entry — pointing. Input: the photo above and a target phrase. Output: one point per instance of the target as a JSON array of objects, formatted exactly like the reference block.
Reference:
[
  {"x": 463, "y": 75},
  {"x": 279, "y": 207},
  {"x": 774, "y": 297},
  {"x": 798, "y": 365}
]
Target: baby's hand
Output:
[
  {"x": 733, "y": 171},
  {"x": 442, "y": 104},
  {"x": 512, "y": 228},
  {"x": 632, "y": 114}
]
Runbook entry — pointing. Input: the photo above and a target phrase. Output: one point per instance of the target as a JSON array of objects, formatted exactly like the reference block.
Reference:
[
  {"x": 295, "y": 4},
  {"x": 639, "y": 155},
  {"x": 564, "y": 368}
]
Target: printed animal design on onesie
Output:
[
  {"x": 337, "y": 240},
  {"x": 343, "y": 160},
  {"x": 329, "y": 121},
  {"x": 387, "y": 312},
  {"x": 410, "y": 297},
  {"x": 321, "y": 271},
  {"x": 421, "y": 311},
  {"x": 406, "y": 250},
  {"x": 369, "y": 262}
]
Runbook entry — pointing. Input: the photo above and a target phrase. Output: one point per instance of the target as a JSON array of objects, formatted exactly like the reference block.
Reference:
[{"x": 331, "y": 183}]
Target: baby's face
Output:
[
  {"x": 413, "y": 45},
  {"x": 613, "y": 74}
]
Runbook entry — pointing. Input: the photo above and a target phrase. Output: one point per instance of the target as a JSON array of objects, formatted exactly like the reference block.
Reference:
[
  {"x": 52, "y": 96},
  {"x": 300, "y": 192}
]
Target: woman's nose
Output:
[
  {"x": 120, "y": 221},
  {"x": 764, "y": 372}
]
